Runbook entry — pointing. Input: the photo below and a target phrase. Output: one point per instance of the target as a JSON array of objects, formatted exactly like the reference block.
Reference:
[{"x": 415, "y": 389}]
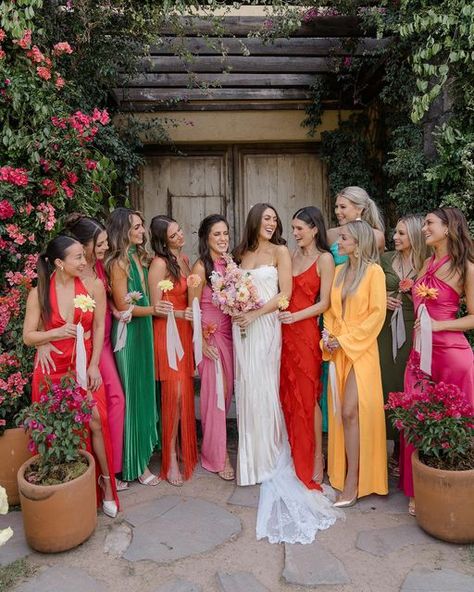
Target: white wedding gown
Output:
[{"x": 287, "y": 511}]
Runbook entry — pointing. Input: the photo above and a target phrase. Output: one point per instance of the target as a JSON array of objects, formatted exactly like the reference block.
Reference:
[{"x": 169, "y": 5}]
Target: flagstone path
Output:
[{"x": 201, "y": 538}]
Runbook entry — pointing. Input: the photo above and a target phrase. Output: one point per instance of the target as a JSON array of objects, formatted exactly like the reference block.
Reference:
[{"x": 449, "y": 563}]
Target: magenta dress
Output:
[
  {"x": 110, "y": 376},
  {"x": 217, "y": 327},
  {"x": 452, "y": 357}
]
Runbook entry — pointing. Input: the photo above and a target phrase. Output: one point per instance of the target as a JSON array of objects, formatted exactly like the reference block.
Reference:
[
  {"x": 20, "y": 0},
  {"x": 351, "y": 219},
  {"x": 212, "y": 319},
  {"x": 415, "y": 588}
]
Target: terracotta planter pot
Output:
[
  {"x": 444, "y": 505},
  {"x": 58, "y": 517},
  {"x": 13, "y": 453}
]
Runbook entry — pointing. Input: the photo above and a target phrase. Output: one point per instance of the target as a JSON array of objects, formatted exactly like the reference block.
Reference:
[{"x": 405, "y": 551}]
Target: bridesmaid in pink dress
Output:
[
  {"x": 93, "y": 236},
  {"x": 216, "y": 346},
  {"x": 449, "y": 273}
]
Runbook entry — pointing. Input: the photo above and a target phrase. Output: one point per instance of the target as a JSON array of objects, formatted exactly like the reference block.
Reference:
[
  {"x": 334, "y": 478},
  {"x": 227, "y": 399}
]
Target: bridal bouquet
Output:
[{"x": 233, "y": 291}]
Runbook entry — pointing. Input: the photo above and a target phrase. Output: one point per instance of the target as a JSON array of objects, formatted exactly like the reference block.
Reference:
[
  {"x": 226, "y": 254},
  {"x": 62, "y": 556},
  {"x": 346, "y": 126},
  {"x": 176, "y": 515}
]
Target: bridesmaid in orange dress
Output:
[
  {"x": 301, "y": 359},
  {"x": 51, "y": 318},
  {"x": 177, "y": 385}
]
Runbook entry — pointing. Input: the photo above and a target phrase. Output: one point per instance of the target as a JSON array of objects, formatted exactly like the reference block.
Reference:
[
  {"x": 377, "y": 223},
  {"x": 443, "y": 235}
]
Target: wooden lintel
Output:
[
  {"x": 151, "y": 95},
  {"x": 223, "y": 80}
]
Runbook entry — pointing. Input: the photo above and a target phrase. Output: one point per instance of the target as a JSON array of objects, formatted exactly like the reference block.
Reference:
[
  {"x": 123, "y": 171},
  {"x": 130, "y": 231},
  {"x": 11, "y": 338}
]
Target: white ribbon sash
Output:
[
  {"x": 399, "y": 336},
  {"x": 174, "y": 348},
  {"x": 220, "y": 385},
  {"x": 336, "y": 402},
  {"x": 424, "y": 339},
  {"x": 197, "y": 332},
  {"x": 81, "y": 358}
]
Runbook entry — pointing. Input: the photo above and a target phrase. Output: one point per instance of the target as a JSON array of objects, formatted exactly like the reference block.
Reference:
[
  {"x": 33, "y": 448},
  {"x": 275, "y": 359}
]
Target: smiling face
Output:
[
  {"x": 303, "y": 233},
  {"x": 218, "y": 239},
  {"x": 346, "y": 211},
  {"x": 346, "y": 243},
  {"x": 136, "y": 234},
  {"x": 268, "y": 224},
  {"x": 400, "y": 238},
  {"x": 74, "y": 262},
  {"x": 434, "y": 230},
  {"x": 175, "y": 236},
  {"x": 100, "y": 249}
]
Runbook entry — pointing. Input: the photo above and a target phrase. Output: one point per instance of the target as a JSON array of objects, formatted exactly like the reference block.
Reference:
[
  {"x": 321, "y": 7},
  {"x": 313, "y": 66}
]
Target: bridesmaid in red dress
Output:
[
  {"x": 177, "y": 385},
  {"x": 52, "y": 318},
  {"x": 300, "y": 372}
]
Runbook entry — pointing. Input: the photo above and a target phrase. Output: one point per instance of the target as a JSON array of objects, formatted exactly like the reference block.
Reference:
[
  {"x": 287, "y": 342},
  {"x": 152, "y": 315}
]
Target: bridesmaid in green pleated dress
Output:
[{"x": 127, "y": 267}]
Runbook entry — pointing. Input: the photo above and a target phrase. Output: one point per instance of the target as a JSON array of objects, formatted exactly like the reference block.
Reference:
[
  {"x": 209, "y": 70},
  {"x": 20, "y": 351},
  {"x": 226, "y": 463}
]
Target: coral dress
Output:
[
  {"x": 111, "y": 378},
  {"x": 65, "y": 364},
  {"x": 357, "y": 330},
  {"x": 300, "y": 373},
  {"x": 213, "y": 419},
  {"x": 452, "y": 356},
  {"x": 174, "y": 382}
]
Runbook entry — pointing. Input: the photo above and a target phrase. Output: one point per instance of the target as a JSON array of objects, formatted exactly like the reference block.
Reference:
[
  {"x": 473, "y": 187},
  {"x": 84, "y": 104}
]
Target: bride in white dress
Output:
[{"x": 287, "y": 512}]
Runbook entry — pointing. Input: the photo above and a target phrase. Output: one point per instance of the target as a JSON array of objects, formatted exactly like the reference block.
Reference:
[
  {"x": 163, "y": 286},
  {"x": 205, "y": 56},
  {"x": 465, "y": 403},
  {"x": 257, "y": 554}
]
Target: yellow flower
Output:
[
  {"x": 165, "y": 285},
  {"x": 283, "y": 302},
  {"x": 423, "y": 291},
  {"x": 84, "y": 302}
]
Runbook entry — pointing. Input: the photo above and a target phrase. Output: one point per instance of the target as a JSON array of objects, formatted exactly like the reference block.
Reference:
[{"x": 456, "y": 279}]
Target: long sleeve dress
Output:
[
  {"x": 136, "y": 369},
  {"x": 65, "y": 364},
  {"x": 356, "y": 330}
]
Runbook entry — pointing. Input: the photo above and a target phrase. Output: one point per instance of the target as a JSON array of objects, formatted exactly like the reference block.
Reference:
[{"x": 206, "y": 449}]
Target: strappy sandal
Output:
[
  {"x": 121, "y": 485},
  {"x": 151, "y": 480},
  {"x": 411, "y": 507}
]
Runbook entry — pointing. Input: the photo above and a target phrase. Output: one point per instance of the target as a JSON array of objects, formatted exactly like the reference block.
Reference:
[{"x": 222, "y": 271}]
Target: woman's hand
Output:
[
  {"x": 287, "y": 318},
  {"x": 94, "y": 379},
  {"x": 66, "y": 330},
  {"x": 210, "y": 351},
  {"x": 126, "y": 315},
  {"x": 244, "y": 319},
  {"x": 163, "y": 307},
  {"x": 188, "y": 314},
  {"x": 44, "y": 359},
  {"x": 435, "y": 325},
  {"x": 393, "y": 303}
]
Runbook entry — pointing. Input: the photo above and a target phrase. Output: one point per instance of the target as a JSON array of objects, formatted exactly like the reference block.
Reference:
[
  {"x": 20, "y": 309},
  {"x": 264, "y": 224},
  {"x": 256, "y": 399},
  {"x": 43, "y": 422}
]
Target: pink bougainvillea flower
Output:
[
  {"x": 69, "y": 191},
  {"x": 43, "y": 72},
  {"x": 25, "y": 41},
  {"x": 59, "y": 83},
  {"x": 49, "y": 187},
  {"x": 47, "y": 215},
  {"x": 14, "y": 176},
  {"x": 2, "y": 54},
  {"x": 36, "y": 55},
  {"x": 91, "y": 164},
  {"x": 61, "y": 48},
  {"x": 58, "y": 122},
  {"x": 72, "y": 178},
  {"x": 6, "y": 209},
  {"x": 2, "y": 35}
]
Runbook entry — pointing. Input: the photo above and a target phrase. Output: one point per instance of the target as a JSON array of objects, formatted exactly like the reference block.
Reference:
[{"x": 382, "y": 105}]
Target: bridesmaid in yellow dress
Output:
[{"x": 357, "y": 451}]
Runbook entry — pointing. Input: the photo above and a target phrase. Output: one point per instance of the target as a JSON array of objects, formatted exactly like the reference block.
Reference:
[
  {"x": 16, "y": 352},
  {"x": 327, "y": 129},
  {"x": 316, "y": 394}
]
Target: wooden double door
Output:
[{"x": 196, "y": 182}]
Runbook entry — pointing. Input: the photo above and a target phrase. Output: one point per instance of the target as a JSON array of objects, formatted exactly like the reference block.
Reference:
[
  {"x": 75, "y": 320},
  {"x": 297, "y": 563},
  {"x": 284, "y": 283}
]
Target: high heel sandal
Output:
[{"x": 109, "y": 507}]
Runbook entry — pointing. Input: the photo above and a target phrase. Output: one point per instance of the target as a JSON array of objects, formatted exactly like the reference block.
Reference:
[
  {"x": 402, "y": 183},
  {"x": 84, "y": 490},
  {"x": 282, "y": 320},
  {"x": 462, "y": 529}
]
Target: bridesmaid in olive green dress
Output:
[
  {"x": 395, "y": 340},
  {"x": 126, "y": 265}
]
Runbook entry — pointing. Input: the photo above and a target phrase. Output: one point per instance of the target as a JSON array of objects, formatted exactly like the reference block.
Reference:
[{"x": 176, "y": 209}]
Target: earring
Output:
[{"x": 356, "y": 252}]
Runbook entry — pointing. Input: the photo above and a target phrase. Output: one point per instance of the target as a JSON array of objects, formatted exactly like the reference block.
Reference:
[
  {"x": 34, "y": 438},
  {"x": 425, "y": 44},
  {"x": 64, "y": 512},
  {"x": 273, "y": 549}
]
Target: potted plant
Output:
[
  {"x": 57, "y": 486},
  {"x": 14, "y": 396},
  {"x": 437, "y": 419}
]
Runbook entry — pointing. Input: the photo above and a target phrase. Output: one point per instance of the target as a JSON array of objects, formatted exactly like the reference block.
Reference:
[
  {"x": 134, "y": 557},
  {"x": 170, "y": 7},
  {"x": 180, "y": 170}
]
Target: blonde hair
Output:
[
  {"x": 370, "y": 212},
  {"x": 419, "y": 250},
  {"x": 363, "y": 235}
]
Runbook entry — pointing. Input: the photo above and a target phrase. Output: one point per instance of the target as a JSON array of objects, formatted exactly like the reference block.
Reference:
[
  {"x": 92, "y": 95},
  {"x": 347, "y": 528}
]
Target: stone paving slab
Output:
[
  {"x": 63, "y": 579},
  {"x": 382, "y": 541},
  {"x": 312, "y": 565},
  {"x": 422, "y": 579},
  {"x": 395, "y": 503},
  {"x": 118, "y": 539},
  {"x": 239, "y": 581},
  {"x": 178, "y": 585},
  {"x": 171, "y": 528},
  {"x": 16, "y": 547},
  {"x": 245, "y": 496}
]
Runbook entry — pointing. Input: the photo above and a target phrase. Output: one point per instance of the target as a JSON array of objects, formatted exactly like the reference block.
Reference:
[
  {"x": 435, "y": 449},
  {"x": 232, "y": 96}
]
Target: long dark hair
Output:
[
  {"x": 249, "y": 240},
  {"x": 313, "y": 217},
  {"x": 55, "y": 249},
  {"x": 118, "y": 228},
  {"x": 460, "y": 245},
  {"x": 204, "y": 231},
  {"x": 84, "y": 229},
  {"x": 159, "y": 244}
]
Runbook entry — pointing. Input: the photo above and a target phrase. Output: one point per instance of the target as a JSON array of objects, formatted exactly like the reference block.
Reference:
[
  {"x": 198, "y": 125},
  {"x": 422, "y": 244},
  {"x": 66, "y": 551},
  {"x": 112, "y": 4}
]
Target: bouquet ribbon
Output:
[
  {"x": 336, "y": 402},
  {"x": 399, "y": 336},
  {"x": 238, "y": 349},
  {"x": 81, "y": 357},
  {"x": 424, "y": 340},
  {"x": 197, "y": 332},
  {"x": 219, "y": 385},
  {"x": 121, "y": 334},
  {"x": 174, "y": 348}
]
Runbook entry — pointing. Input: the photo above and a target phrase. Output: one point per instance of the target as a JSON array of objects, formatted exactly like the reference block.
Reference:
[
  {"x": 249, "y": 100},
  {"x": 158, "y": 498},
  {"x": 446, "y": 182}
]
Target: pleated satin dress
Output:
[{"x": 135, "y": 363}]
